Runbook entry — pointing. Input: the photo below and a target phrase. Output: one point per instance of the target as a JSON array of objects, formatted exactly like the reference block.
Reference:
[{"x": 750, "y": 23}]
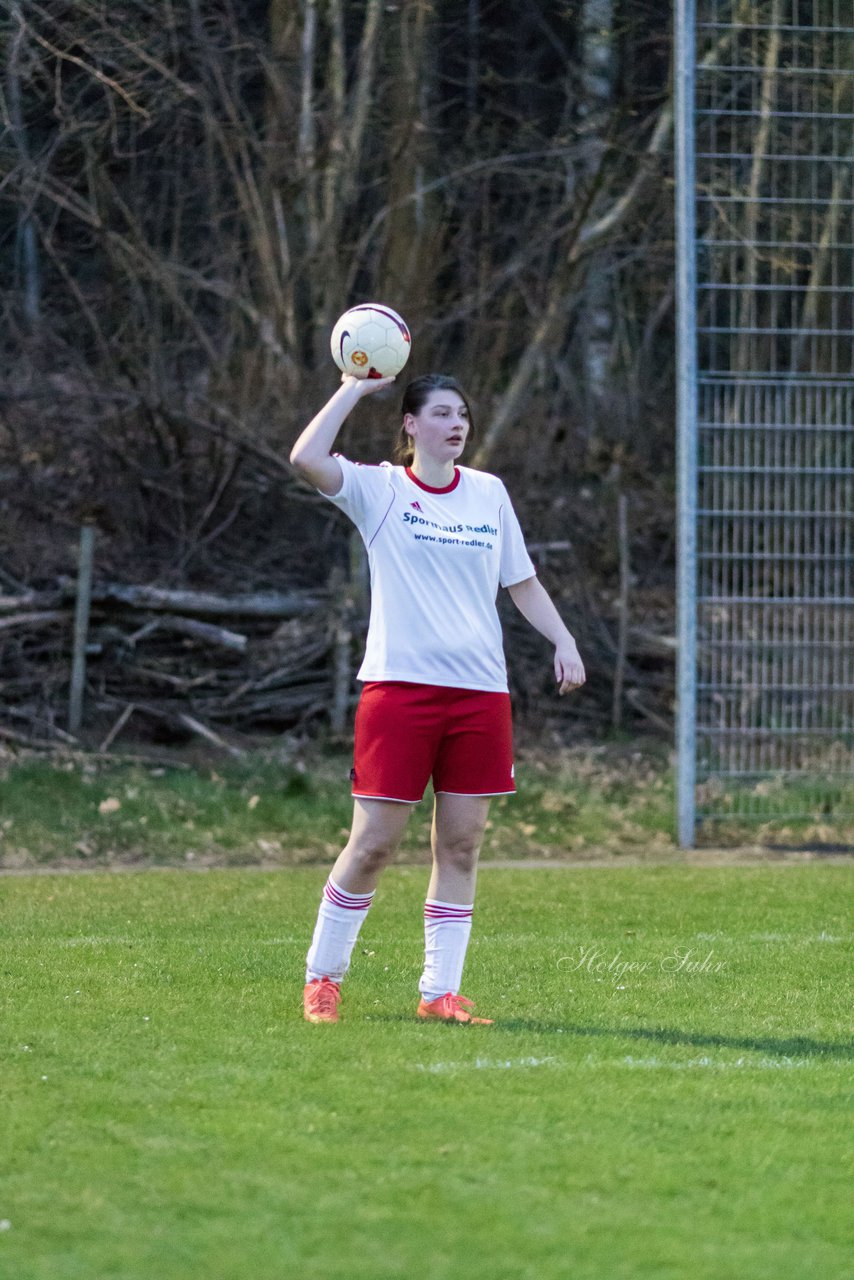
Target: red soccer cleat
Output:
[
  {"x": 320, "y": 1000},
  {"x": 449, "y": 1008}
]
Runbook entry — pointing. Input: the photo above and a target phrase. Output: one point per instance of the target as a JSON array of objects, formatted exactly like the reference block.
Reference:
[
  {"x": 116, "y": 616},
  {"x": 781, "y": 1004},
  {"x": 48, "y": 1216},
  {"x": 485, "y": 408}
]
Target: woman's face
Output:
[{"x": 440, "y": 428}]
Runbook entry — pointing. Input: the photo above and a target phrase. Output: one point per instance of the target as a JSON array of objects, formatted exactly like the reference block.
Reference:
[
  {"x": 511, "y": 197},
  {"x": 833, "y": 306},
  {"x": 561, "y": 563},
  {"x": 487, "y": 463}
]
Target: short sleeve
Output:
[
  {"x": 365, "y": 494},
  {"x": 516, "y": 564}
]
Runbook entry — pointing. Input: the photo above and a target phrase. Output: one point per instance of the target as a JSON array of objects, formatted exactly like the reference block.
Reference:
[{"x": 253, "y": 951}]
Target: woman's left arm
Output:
[{"x": 534, "y": 603}]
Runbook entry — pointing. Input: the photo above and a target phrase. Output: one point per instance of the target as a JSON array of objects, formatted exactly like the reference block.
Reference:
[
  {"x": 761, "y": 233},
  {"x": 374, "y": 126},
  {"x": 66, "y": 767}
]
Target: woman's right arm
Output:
[{"x": 311, "y": 455}]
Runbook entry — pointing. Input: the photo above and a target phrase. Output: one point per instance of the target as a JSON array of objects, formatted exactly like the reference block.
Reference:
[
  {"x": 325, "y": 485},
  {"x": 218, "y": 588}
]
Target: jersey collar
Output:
[{"x": 429, "y": 487}]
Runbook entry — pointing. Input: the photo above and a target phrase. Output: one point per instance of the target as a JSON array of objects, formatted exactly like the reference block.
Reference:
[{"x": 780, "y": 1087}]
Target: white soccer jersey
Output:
[{"x": 437, "y": 558}]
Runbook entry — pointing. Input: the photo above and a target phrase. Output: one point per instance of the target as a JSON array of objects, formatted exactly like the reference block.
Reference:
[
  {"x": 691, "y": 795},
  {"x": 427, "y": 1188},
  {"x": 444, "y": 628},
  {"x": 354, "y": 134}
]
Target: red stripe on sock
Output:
[{"x": 337, "y": 898}]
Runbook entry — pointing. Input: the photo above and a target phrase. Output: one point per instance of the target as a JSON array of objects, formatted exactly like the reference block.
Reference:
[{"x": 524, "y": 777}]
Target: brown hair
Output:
[{"x": 415, "y": 397}]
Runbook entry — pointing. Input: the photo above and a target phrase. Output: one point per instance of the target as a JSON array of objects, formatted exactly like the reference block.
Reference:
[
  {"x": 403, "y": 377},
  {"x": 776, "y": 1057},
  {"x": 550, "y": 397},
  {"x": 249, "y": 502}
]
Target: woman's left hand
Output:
[{"x": 569, "y": 669}]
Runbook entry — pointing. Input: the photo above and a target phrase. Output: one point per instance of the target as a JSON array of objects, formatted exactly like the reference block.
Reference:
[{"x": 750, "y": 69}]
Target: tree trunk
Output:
[
  {"x": 749, "y": 315},
  {"x": 27, "y": 240},
  {"x": 414, "y": 227},
  {"x": 597, "y": 80}
]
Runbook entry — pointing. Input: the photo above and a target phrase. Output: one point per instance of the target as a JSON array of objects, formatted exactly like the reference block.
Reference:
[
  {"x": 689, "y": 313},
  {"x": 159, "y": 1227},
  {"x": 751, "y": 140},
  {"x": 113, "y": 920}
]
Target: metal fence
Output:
[{"x": 765, "y": 157}]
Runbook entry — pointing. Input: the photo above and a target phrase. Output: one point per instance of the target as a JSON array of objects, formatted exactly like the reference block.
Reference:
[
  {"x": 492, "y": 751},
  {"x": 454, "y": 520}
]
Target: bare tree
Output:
[{"x": 197, "y": 190}]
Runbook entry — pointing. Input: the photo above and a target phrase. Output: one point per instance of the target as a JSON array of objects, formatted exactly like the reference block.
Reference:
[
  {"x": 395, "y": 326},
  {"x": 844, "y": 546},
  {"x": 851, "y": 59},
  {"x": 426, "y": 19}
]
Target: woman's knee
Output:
[
  {"x": 372, "y": 851},
  {"x": 459, "y": 850}
]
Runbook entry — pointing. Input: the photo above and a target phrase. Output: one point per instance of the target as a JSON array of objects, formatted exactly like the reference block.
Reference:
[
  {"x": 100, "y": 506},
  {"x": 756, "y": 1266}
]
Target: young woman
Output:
[{"x": 441, "y": 539}]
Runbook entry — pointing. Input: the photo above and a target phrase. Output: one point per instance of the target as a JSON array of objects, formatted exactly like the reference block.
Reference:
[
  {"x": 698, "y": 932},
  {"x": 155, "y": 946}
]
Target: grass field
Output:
[
  {"x": 592, "y": 801},
  {"x": 83, "y": 811},
  {"x": 667, "y": 1092}
]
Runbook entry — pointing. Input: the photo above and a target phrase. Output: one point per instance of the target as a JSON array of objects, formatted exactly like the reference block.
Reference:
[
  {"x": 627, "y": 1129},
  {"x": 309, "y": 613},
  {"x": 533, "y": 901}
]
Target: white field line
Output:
[
  {"x": 485, "y": 1064},
  {"x": 764, "y": 1064},
  {"x": 632, "y": 1063},
  {"x": 707, "y": 1063},
  {"x": 802, "y": 938},
  {"x": 501, "y": 939},
  {"x": 83, "y": 940},
  {"x": 120, "y": 940}
]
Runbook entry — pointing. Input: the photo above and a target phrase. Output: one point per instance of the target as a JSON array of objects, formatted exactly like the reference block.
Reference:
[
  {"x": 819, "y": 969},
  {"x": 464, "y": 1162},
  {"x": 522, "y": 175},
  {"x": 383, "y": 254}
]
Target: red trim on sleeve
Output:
[{"x": 429, "y": 487}]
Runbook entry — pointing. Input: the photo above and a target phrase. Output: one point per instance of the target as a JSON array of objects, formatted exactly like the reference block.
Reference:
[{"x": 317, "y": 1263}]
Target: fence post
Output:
[
  {"x": 81, "y": 626},
  {"x": 686, "y": 395},
  {"x": 622, "y": 610},
  {"x": 342, "y": 637}
]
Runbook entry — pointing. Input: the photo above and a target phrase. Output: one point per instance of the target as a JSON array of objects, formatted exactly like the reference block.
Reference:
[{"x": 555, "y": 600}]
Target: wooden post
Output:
[
  {"x": 360, "y": 577},
  {"x": 622, "y": 610},
  {"x": 81, "y": 627},
  {"x": 341, "y": 643},
  {"x": 350, "y": 605}
]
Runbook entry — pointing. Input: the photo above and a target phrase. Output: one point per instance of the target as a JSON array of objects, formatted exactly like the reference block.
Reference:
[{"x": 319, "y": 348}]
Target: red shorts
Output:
[{"x": 405, "y": 733}]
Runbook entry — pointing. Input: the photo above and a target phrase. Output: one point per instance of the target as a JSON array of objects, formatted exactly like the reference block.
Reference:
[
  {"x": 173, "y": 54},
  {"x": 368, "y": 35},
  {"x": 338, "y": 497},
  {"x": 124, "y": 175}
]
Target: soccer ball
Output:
[{"x": 370, "y": 341}]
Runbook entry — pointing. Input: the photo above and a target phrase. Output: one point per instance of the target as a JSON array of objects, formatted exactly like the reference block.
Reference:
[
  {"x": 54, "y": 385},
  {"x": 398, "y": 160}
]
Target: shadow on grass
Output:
[{"x": 794, "y": 1046}]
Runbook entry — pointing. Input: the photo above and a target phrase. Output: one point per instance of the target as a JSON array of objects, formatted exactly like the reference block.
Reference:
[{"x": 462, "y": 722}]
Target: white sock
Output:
[
  {"x": 447, "y": 926},
  {"x": 338, "y": 923}
]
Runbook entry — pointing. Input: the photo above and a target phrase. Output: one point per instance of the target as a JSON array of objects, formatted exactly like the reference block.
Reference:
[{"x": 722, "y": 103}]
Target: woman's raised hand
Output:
[{"x": 365, "y": 386}]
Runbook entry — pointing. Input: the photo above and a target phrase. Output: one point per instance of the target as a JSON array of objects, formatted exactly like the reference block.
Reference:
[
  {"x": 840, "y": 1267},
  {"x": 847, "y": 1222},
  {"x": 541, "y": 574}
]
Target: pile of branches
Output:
[{"x": 180, "y": 662}]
